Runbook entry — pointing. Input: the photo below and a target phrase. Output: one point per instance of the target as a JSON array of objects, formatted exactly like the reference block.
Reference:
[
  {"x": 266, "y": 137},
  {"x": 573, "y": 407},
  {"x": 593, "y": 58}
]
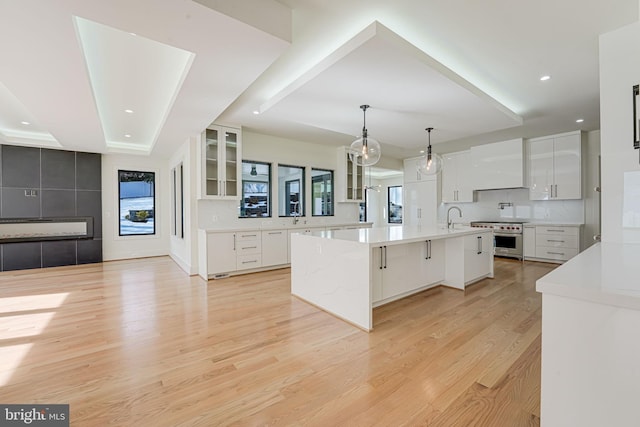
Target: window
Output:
[
  {"x": 363, "y": 208},
  {"x": 136, "y": 194},
  {"x": 177, "y": 201},
  {"x": 256, "y": 190},
  {"x": 291, "y": 190},
  {"x": 322, "y": 192},
  {"x": 394, "y": 204}
]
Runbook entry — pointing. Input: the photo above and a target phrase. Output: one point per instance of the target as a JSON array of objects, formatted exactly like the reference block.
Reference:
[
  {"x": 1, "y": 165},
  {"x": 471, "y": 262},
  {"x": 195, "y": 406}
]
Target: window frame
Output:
[
  {"x": 331, "y": 193},
  {"x": 154, "y": 208},
  {"x": 389, "y": 221},
  {"x": 301, "y": 203},
  {"x": 269, "y": 189}
]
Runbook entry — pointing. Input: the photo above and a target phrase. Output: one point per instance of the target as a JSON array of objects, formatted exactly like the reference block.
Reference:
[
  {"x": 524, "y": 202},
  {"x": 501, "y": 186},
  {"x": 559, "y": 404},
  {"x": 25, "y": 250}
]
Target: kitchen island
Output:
[
  {"x": 349, "y": 272},
  {"x": 591, "y": 338}
]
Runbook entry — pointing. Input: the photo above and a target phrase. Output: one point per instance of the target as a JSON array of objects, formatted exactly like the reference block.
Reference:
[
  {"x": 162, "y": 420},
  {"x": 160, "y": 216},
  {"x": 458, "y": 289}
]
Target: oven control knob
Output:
[{"x": 501, "y": 227}]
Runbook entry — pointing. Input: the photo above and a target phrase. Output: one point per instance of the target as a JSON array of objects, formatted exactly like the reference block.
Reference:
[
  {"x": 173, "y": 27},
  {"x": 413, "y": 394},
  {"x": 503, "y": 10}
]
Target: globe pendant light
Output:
[
  {"x": 365, "y": 151},
  {"x": 431, "y": 163}
]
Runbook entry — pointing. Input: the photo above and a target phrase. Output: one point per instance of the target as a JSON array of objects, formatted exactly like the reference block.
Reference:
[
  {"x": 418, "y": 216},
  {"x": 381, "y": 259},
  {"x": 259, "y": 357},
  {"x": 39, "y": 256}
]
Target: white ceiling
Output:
[{"x": 469, "y": 69}]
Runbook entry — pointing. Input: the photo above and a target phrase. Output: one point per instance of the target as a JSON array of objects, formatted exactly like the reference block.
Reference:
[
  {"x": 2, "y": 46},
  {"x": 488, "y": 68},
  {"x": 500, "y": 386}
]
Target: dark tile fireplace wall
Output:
[{"x": 66, "y": 184}]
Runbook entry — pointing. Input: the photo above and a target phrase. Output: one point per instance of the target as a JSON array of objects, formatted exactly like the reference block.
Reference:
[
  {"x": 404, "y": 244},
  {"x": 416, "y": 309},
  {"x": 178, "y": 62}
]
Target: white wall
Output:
[
  {"x": 124, "y": 247},
  {"x": 619, "y": 72},
  {"x": 213, "y": 214},
  {"x": 183, "y": 250}
]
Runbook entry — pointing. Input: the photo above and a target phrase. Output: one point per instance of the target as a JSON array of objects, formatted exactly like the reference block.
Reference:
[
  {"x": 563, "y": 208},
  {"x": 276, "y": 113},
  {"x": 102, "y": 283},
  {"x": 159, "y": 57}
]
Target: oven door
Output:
[{"x": 509, "y": 245}]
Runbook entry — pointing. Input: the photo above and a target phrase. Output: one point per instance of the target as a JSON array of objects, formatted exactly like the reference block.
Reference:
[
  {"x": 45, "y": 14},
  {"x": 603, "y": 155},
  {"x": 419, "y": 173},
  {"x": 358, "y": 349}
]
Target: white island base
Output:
[
  {"x": 591, "y": 339},
  {"x": 348, "y": 273}
]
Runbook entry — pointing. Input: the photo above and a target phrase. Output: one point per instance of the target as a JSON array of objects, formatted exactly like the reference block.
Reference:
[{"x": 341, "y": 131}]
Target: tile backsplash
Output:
[{"x": 487, "y": 208}]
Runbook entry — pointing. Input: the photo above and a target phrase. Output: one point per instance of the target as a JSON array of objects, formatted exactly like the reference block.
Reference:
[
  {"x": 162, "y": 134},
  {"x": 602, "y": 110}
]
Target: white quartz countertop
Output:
[
  {"x": 606, "y": 273},
  {"x": 553, "y": 224},
  {"x": 300, "y": 226},
  {"x": 399, "y": 234}
]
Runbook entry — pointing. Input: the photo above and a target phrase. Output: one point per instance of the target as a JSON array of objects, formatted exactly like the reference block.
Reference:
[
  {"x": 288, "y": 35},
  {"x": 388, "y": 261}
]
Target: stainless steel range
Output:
[{"x": 507, "y": 237}]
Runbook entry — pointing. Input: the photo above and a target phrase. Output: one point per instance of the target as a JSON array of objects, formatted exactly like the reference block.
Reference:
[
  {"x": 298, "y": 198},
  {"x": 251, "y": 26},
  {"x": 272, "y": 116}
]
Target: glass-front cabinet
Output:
[
  {"x": 221, "y": 160},
  {"x": 350, "y": 178}
]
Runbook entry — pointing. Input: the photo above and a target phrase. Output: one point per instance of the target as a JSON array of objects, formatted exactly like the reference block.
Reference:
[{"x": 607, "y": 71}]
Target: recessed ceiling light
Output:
[
  {"x": 545, "y": 78},
  {"x": 256, "y": 112},
  {"x": 133, "y": 34},
  {"x": 579, "y": 120},
  {"x": 421, "y": 151},
  {"x": 128, "y": 111},
  {"x": 25, "y": 123},
  {"x": 126, "y": 135}
]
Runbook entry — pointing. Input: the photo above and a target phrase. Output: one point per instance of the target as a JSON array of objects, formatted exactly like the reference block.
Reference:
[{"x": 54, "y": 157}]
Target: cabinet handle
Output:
[
  {"x": 556, "y": 253},
  {"x": 381, "y": 264},
  {"x": 249, "y": 247},
  {"x": 555, "y": 231},
  {"x": 555, "y": 241},
  {"x": 249, "y": 235},
  {"x": 428, "y": 242},
  {"x": 385, "y": 257},
  {"x": 479, "y": 245},
  {"x": 234, "y": 241},
  {"x": 250, "y": 262},
  {"x": 556, "y": 191},
  {"x": 275, "y": 232}
]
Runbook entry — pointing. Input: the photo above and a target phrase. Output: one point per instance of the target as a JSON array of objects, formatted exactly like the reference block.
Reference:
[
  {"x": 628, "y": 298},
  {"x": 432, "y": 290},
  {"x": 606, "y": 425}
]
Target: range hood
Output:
[{"x": 499, "y": 165}]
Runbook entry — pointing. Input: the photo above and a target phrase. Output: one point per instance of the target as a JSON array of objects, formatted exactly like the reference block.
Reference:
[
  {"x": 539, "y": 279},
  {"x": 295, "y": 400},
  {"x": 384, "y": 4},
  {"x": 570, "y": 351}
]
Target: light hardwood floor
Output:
[{"x": 141, "y": 343}]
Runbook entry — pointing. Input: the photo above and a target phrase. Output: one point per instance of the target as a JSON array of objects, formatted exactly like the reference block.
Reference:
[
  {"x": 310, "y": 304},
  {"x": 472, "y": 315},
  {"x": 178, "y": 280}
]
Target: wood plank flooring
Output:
[{"x": 140, "y": 343}]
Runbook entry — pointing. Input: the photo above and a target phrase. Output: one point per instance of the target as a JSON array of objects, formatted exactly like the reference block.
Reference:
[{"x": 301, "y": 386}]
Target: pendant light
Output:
[
  {"x": 431, "y": 163},
  {"x": 365, "y": 151},
  {"x": 253, "y": 172}
]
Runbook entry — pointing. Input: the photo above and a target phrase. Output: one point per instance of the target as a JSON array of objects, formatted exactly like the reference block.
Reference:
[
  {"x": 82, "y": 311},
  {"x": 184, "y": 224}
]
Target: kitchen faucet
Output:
[{"x": 449, "y": 222}]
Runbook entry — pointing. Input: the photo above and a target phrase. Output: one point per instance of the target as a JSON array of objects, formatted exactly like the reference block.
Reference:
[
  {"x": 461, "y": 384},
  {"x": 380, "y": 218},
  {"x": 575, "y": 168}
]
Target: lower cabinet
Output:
[
  {"x": 248, "y": 250},
  {"x": 551, "y": 243},
  {"x": 221, "y": 253},
  {"x": 275, "y": 247},
  {"x": 478, "y": 252},
  {"x": 529, "y": 241},
  {"x": 398, "y": 270}
]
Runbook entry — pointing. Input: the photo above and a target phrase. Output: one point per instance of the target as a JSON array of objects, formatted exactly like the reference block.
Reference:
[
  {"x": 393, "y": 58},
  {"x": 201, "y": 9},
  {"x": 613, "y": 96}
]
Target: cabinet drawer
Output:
[
  {"x": 557, "y": 241},
  {"x": 246, "y": 247},
  {"x": 549, "y": 229},
  {"x": 558, "y": 254},
  {"x": 245, "y": 262},
  {"x": 247, "y": 235}
]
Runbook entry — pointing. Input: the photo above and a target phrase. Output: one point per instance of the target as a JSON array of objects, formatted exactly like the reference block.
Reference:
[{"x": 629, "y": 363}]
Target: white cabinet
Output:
[
  {"x": 411, "y": 173},
  {"x": 529, "y": 241},
  {"x": 557, "y": 243},
  {"x": 421, "y": 201},
  {"x": 220, "y": 163},
  {"x": 275, "y": 247},
  {"x": 478, "y": 252},
  {"x": 248, "y": 250},
  {"x": 349, "y": 178},
  {"x": 221, "y": 253},
  {"x": 554, "y": 167},
  {"x": 399, "y": 270},
  {"x": 456, "y": 179},
  {"x": 498, "y": 165}
]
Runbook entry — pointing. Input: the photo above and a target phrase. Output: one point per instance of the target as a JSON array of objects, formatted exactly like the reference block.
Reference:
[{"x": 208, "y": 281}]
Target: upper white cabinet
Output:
[
  {"x": 411, "y": 173},
  {"x": 350, "y": 178},
  {"x": 220, "y": 165},
  {"x": 456, "y": 178},
  {"x": 421, "y": 200},
  {"x": 498, "y": 165},
  {"x": 554, "y": 165}
]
